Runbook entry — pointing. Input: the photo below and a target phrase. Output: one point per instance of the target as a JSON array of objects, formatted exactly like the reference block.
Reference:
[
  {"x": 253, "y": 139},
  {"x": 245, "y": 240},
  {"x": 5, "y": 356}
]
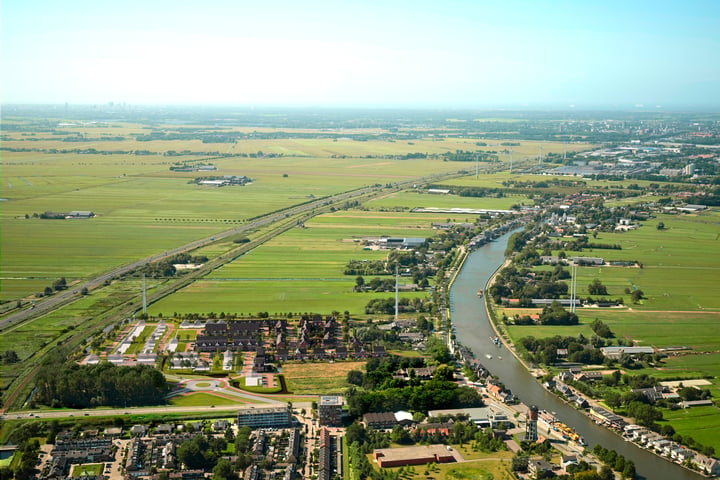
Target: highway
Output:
[{"x": 159, "y": 410}]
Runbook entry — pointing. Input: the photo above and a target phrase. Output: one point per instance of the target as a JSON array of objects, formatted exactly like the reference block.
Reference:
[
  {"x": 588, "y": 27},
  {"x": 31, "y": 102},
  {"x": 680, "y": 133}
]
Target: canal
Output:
[{"x": 473, "y": 329}]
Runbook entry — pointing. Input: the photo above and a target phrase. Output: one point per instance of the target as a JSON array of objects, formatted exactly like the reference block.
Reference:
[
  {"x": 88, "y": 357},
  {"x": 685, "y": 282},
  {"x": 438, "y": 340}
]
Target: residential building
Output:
[
  {"x": 330, "y": 410},
  {"x": 265, "y": 417}
]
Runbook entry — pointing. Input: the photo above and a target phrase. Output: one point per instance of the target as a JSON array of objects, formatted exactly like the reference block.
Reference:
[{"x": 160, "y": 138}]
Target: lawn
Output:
[
  {"x": 207, "y": 399},
  {"x": 87, "y": 470}
]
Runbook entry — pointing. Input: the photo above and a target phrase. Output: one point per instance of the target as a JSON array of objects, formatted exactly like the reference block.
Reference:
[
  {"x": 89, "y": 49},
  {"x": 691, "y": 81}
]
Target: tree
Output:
[
  {"x": 597, "y": 288},
  {"x": 59, "y": 284},
  {"x": 613, "y": 399},
  {"x": 444, "y": 372},
  {"x": 629, "y": 470},
  {"x": 9, "y": 357},
  {"x": 637, "y": 295},
  {"x": 400, "y": 435},
  {"x": 359, "y": 282},
  {"x": 437, "y": 349},
  {"x": 601, "y": 329},
  {"x": 606, "y": 473},
  {"x": 555, "y": 314},
  {"x": 223, "y": 470},
  {"x": 355, "y": 377},
  {"x": 519, "y": 463},
  {"x": 660, "y": 226}
]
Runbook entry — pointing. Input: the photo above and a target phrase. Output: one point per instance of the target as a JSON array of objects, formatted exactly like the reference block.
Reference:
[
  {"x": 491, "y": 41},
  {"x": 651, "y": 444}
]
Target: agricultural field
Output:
[
  {"x": 143, "y": 208},
  {"x": 679, "y": 279},
  {"x": 146, "y": 212},
  {"x": 412, "y": 200},
  {"x": 302, "y": 269},
  {"x": 299, "y": 271},
  {"x": 700, "y": 423}
]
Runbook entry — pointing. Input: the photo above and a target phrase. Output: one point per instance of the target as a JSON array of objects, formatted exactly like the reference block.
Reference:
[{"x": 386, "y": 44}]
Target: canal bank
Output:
[{"x": 474, "y": 330}]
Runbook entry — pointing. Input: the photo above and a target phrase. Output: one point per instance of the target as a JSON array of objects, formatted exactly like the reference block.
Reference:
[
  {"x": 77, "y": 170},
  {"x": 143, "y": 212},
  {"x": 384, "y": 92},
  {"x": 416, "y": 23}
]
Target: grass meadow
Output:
[
  {"x": 143, "y": 208},
  {"x": 679, "y": 273},
  {"x": 200, "y": 398},
  {"x": 300, "y": 270},
  {"x": 700, "y": 423},
  {"x": 309, "y": 378},
  {"x": 680, "y": 264},
  {"x": 148, "y": 210}
]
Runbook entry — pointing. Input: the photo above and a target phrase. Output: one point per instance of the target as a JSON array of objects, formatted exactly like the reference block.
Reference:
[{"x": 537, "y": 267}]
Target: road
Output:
[{"x": 159, "y": 410}]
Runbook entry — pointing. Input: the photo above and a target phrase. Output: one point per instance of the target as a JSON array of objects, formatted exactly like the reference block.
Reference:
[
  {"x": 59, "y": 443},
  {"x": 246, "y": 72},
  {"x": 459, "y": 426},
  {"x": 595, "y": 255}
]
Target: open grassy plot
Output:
[
  {"x": 318, "y": 378},
  {"x": 700, "y": 423},
  {"x": 201, "y": 398},
  {"x": 495, "y": 466}
]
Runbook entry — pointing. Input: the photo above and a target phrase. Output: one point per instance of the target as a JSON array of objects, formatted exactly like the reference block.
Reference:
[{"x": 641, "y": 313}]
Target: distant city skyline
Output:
[{"x": 402, "y": 54}]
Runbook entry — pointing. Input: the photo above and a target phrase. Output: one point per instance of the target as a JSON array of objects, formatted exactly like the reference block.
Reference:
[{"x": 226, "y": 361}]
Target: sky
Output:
[{"x": 370, "y": 53}]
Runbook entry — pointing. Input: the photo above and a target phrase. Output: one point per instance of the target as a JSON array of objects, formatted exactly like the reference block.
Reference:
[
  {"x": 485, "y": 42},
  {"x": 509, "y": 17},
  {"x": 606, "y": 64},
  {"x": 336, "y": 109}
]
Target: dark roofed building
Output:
[{"x": 380, "y": 420}]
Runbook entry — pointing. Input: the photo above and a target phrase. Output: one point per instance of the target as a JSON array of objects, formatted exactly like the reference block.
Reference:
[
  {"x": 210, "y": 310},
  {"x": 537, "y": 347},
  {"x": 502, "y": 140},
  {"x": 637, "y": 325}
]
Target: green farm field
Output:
[
  {"x": 680, "y": 264},
  {"x": 700, "y": 423},
  {"x": 300, "y": 270},
  {"x": 415, "y": 199},
  {"x": 679, "y": 275},
  {"x": 148, "y": 211}
]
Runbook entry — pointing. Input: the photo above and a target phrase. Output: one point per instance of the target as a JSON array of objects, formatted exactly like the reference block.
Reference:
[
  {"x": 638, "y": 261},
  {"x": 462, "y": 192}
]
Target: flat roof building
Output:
[
  {"x": 418, "y": 455},
  {"x": 330, "y": 410},
  {"x": 265, "y": 417}
]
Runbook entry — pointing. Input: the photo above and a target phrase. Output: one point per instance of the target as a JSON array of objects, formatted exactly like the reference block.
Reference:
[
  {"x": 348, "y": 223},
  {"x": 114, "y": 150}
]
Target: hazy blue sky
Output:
[{"x": 495, "y": 53}]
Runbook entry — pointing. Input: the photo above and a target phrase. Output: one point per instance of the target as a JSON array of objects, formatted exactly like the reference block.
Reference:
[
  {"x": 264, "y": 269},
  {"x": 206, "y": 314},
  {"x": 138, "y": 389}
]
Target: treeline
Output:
[
  {"x": 615, "y": 461},
  {"x": 84, "y": 386},
  {"x": 470, "y": 156},
  {"x": 405, "y": 305}
]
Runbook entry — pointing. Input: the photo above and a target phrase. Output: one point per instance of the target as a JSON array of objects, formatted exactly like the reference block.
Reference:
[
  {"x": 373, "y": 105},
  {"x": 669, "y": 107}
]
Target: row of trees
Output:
[{"x": 387, "y": 305}]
